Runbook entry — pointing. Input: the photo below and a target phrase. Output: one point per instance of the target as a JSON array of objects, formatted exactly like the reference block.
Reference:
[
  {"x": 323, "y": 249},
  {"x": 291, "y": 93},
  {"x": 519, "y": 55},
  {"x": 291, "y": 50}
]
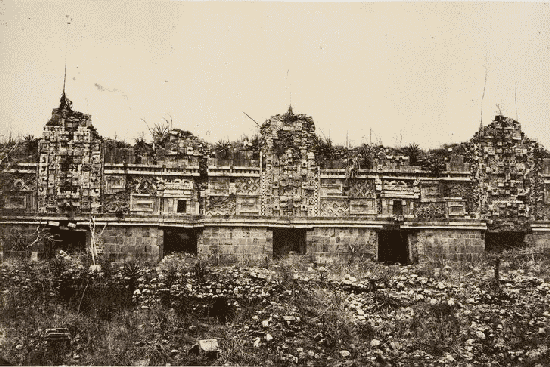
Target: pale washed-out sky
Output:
[{"x": 412, "y": 72}]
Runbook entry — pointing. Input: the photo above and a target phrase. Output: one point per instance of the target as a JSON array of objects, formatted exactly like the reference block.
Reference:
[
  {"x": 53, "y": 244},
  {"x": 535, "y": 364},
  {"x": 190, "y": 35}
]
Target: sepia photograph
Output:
[{"x": 278, "y": 183}]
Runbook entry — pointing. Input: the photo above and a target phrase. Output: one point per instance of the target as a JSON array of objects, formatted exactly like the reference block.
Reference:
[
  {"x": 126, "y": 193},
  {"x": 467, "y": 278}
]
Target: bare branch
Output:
[
  {"x": 483, "y": 95},
  {"x": 251, "y": 119}
]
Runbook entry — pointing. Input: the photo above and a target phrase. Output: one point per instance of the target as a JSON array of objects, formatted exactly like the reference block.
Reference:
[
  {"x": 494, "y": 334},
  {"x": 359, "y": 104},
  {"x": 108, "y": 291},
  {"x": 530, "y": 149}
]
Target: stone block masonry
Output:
[
  {"x": 452, "y": 244},
  {"x": 291, "y": 193},
  {"x": 121, "y": 243},
  {"x": 235, "y": 244},
  {"x": 539, "y": 241},
  {"x": 18, "y": 237},
  {"x": 327, "y": 244},
  {"x": 39, "y": 240}
]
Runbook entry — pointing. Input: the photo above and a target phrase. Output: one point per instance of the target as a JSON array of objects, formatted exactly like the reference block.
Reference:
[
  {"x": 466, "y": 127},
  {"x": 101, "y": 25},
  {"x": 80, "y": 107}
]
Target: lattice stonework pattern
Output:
[
  {"x": 265, "y": 196},
  {"x": 334, "y": 207},
  {"x": 247, "y": 185},
  {"x": 362, "y": 189},
  {"x": 430, "y": 211},
  {"x": 143, "y": 185}
]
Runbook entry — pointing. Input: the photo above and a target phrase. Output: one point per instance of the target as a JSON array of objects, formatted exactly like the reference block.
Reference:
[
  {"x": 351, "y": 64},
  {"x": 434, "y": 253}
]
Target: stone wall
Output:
[
  {"x": 138, "y": 242},
  {"x": 452, "y": 244},
  {"x": 326, "y": 244},
  {"x": 235, "y": 244},
  {"x": 18, "y": 191},
  {"x": 17, "y": 237},
  {"x": 540, "y": 241},
  {"x": 499, "y": 181}
]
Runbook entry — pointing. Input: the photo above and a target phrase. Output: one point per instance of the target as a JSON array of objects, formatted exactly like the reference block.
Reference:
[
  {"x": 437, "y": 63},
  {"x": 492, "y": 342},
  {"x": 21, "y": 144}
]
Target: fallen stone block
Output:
[{"x": 207, "y": 347}]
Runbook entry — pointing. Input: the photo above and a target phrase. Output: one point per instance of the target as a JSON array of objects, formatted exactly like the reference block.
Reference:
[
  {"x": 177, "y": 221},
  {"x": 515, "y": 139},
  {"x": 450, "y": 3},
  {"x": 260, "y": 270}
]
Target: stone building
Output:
[{"x": 491, "y": 191}]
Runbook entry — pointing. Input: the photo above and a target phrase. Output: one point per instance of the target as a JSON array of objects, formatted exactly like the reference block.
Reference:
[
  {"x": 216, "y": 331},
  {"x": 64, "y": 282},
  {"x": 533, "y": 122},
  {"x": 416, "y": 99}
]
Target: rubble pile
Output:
[{"x": 308, "y": 315}]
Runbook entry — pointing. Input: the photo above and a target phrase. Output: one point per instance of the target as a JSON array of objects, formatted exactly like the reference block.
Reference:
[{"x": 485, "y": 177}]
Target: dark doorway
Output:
[
  {"x": 397, "y": 207},
  {"x": 500, "y": 241},
  {"x": 393, "y": 247},
  {"x": 182, "y": 206},
  {"x": 287, "y": 240},
  {"x": 70, "y": 241},
  {"x": 180, "y": 240}
]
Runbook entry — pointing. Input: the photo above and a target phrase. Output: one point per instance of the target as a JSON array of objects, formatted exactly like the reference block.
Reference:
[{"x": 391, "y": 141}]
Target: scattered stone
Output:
[
  {"x": 34, "y": 256},
  {"x": 141, "y": 362},
  {"x": 95, "y": 268},
  {"x": 375, "y": 343},
  {"x": 209, "y": 345},
  {"x": 345, "y": 353},
  {"x": 449, "y": 358},
  {"x": 268, "y": 337},
  {"x": 480, "y": 334}
]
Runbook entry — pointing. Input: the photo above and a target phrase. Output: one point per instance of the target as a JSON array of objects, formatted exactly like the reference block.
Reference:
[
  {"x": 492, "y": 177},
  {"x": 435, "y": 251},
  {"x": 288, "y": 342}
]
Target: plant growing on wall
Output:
[
  {"x": 414, "y": 153},
  {"x": 95, "y": 239},
  {"x": 366, "y": 154},
  {"x": 435, "y": 161},
  {"x": 286, "y": 140}
]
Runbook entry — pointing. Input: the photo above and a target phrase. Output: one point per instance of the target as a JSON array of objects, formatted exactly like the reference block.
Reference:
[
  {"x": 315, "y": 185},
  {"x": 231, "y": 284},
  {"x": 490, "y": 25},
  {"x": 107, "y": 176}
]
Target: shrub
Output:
[{"x": 436, "y": 327}]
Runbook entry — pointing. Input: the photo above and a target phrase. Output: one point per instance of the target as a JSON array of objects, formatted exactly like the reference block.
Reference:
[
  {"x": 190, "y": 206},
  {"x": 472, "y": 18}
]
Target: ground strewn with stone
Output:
[{"x": 286, "y": 312}]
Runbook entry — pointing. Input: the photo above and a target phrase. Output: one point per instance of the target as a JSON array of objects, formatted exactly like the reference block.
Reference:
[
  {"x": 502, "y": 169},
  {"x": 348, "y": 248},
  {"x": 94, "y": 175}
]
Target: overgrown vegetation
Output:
[
  {"x": 327, "y": 154},
  {"x": 289, "y": 312}
]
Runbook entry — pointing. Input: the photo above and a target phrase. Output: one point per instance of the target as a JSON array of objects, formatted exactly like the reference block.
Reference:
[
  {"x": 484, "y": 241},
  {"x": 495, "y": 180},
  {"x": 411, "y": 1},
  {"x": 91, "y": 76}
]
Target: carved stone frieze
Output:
[
  {"x": 221, "y": 205},
  {"x": 362, "y": 189},
  {"x": 247, "y": 185},
  {"x": 143, "y": 185},
  {"x": 334, "y": 207},
  {"x": 430, "y": 211},
  {"x": 117, "y": 203}
]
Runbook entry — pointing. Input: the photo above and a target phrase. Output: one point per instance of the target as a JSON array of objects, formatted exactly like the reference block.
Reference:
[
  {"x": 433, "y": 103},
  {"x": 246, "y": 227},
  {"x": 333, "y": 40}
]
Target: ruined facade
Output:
[{"x": 278, "y": 200}]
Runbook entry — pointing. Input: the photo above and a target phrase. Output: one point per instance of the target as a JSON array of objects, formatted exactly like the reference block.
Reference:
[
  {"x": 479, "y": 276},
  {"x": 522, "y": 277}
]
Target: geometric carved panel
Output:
[
  {"x": 334, "y": 207},
  {"x": 220, "y": 205}
]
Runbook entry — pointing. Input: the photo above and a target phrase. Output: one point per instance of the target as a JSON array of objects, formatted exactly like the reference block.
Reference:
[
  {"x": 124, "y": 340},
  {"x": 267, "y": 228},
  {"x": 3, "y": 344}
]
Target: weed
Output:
[
  {"x": 199, "y": 271},
  {"x": 436, "y": 327}
]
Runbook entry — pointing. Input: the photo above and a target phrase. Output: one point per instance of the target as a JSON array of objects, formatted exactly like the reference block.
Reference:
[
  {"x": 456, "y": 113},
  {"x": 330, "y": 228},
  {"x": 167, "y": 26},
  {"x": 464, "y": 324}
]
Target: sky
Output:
[{"x": 395, "y": 73}]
